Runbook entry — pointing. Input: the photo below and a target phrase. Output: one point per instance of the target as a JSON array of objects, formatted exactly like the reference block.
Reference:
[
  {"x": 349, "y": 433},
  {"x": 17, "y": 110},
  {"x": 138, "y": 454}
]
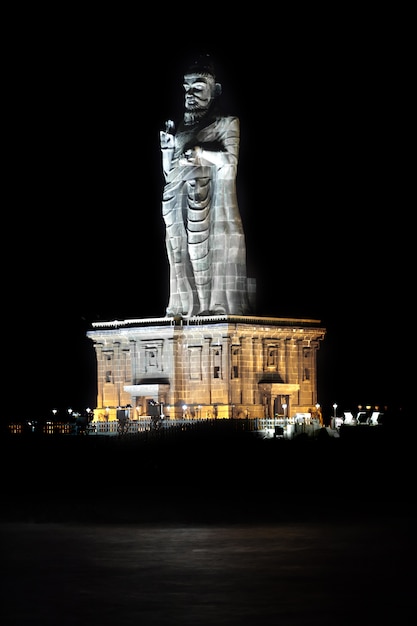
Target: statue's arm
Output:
[
  {"x": 167, "y": 143},
  {"x": 220, "y": 147}
]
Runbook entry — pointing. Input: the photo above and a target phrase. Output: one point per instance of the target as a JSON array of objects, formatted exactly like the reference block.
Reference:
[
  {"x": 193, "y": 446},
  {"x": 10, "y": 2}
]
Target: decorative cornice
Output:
[{"x": 207, "y": 319}]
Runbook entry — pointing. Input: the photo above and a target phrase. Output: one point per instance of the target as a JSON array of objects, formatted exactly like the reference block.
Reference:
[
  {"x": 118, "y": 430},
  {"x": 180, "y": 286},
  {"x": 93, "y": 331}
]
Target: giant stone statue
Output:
[{"x": 204, "y": 234}]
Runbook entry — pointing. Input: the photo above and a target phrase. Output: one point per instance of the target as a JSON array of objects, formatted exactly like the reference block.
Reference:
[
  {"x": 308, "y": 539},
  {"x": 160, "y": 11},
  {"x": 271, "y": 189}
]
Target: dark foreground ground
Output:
[{"x": 208, "y": 528}]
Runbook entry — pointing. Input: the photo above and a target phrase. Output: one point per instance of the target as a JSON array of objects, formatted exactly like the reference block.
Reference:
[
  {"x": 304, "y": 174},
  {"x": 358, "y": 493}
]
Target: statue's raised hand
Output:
[{"x": 167, "y": 138}]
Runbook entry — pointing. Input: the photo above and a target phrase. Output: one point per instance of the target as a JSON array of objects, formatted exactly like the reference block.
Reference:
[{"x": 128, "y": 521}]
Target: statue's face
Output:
[{"x": 199, "y": 91}]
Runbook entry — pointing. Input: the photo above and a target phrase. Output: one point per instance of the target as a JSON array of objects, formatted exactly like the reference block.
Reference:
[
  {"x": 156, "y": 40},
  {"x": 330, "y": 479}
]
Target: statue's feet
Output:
[
  {"x": 174, "y": 308},
  {"x": 216, "y": 311}
]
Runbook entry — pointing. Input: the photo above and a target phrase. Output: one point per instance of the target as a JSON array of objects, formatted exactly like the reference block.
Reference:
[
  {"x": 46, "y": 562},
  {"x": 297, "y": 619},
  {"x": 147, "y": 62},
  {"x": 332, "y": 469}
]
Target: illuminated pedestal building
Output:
[{"x": 223, "y": 366}]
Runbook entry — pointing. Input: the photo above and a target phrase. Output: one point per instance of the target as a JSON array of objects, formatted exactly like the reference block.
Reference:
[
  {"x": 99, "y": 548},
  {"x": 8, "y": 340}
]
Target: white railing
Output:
[
  {"x": 114, "y": 428},
  {"x": 142, "y": 425}
]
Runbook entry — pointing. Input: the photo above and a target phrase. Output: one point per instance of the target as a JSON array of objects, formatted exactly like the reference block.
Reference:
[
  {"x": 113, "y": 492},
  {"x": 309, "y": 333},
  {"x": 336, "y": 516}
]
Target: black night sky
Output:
[{"x": 321, "y": 184}]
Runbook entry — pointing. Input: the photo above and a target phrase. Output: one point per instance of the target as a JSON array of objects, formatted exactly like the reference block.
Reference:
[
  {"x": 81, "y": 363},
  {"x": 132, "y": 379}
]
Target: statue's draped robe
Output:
[{"x": 204, "y": 233}]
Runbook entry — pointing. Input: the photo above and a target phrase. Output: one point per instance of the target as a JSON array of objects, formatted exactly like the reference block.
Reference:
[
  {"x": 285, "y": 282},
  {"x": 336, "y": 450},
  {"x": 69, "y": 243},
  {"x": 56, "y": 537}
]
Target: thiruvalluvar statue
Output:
[{"x": 205, "y": 240}]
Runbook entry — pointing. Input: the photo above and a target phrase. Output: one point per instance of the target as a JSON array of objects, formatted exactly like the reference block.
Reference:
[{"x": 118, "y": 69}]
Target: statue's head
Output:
[{"x": 200, "y": 84}]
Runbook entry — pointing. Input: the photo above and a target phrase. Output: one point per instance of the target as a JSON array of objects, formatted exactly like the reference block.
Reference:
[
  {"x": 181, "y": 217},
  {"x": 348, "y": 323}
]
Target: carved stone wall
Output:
[{"x": 228, "y": 366}]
